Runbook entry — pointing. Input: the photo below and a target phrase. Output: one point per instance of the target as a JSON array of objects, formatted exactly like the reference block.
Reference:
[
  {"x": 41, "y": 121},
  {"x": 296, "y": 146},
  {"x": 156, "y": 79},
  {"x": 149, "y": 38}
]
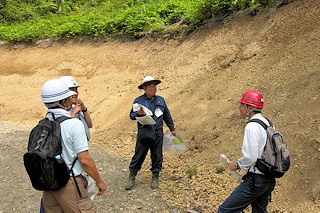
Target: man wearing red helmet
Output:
[{"x": 255, "y": 188}]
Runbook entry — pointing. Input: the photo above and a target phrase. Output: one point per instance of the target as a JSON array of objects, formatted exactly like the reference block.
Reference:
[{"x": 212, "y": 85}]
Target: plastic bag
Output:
[{"x": 173, "y": 143}]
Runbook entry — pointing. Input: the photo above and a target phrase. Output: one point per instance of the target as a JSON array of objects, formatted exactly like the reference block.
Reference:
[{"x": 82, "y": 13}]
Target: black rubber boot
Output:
[
  {"x": 155, "y": 180},
  {"x": 131, "y": 179}
]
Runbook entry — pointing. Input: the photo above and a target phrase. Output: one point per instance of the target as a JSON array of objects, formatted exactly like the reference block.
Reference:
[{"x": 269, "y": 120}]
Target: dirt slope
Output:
[{"x": 275, "y": 52}]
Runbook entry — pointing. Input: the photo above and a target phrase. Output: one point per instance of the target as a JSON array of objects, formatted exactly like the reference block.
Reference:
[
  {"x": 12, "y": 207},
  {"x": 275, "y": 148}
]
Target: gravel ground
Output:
[{"x": 18, "y": 195}]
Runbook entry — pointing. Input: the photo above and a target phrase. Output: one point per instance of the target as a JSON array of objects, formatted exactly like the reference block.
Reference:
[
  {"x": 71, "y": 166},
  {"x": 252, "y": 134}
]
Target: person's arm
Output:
[
  {"x": 88, "y": 119},
  {"x": 89, "y": 167},
  {"x": 250, "y": 148},
  {"x": 76, "y": 109},
  {"x": 133, "y": 114},
  {"x": 86, "y": 114},
  {"x": 168, "y": 119}
]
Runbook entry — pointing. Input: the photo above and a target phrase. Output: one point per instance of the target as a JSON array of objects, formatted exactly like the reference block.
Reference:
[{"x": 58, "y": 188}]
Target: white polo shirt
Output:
[
  {"x": 255, "y": 137},
  {"x": 74, "y": 139}
]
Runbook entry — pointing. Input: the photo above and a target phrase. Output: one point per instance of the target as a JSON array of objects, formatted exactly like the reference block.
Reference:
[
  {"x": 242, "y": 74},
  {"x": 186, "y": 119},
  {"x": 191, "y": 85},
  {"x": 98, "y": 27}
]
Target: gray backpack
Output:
[{"x": 275, "y": 160}]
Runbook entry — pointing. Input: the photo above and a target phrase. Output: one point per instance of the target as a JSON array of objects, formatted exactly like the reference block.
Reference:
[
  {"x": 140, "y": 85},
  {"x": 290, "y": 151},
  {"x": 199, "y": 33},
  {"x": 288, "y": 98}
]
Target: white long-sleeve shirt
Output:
[{"x": 255, "y": 137}]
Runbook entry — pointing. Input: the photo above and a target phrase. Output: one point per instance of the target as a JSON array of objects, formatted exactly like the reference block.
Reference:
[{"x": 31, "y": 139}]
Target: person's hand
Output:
[
  {"x": 174, "y": 133},
  {"x": 102, "y": 187},
  {"x": 140, "y": 112},
  {"x": 75, "y": 110},
  {"x": 80, "y": 102},
  {"x": 233, "y": 166}
]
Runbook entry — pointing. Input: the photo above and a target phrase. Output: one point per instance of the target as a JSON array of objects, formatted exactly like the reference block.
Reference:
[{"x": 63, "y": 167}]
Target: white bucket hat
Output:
[{"x": 148, "y": 80}]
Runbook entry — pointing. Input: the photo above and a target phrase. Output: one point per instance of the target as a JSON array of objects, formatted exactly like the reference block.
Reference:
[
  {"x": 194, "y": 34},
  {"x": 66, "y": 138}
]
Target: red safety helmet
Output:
[{"x": 253, "y": 98}]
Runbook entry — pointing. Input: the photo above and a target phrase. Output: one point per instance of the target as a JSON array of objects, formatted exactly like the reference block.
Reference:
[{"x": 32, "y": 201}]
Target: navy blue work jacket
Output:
[{"x": 153, "y": 104}]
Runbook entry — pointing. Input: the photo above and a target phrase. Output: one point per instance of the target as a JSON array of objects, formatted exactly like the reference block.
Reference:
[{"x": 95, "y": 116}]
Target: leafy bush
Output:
[{"x": 27, "y": 20}]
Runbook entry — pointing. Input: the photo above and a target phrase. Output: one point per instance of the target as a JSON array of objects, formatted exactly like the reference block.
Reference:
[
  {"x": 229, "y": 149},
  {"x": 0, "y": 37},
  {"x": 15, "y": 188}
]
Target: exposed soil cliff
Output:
[{"x": 275, "y": 52}]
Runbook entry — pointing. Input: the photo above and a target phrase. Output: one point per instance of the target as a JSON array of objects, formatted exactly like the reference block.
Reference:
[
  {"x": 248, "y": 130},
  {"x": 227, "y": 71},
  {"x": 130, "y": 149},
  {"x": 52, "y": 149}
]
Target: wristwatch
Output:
[{"x": 236, "y": 166}]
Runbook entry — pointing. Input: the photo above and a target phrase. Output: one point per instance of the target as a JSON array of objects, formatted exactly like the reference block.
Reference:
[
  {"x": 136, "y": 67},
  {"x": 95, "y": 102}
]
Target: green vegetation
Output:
[
  {"x": 192, "y": 171},
  {"x": 28, "y": 20},
  {"x": 220, "y": 168}
]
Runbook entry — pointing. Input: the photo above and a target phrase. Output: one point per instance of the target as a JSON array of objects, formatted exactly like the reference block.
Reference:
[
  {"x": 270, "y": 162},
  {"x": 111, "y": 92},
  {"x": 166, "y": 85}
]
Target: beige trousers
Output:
[{"x": 67, "y": 198}]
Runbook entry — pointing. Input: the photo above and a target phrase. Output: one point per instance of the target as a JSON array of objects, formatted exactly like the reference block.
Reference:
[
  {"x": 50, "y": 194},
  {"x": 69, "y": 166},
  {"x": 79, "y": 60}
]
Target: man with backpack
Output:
[
  {"x": 256, "y": 187},
  {"x": 73, "y": 197}
]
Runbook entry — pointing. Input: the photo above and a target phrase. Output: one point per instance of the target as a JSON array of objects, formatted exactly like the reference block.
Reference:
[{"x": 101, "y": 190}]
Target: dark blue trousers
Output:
[
  {"x": 255, "y": 190},
  {"x": 141, "y": 152}
]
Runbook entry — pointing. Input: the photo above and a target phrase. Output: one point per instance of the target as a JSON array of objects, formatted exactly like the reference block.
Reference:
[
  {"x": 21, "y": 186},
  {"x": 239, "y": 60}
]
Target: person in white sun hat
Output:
[
  {"x": 56, "y": 95},
  {"x": 157, "y": 105}
]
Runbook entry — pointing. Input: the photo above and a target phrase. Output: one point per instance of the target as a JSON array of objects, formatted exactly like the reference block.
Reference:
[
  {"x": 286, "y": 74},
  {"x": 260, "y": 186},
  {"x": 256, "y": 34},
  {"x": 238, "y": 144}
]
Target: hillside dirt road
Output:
[
  {"x": 203, "y": 74},
  {"x": 19, "y": 196}
]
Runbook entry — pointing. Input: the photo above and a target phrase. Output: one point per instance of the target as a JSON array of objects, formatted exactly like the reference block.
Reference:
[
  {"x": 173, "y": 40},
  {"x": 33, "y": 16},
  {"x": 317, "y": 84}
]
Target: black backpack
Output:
[
  {"x": 43, "y": 161},
  {"x": 275, "y": 160}
]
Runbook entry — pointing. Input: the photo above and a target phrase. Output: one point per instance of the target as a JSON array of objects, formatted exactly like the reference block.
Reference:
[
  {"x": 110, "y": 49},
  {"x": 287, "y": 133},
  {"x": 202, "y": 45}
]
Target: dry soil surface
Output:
[{"x": 275, "y": 52}]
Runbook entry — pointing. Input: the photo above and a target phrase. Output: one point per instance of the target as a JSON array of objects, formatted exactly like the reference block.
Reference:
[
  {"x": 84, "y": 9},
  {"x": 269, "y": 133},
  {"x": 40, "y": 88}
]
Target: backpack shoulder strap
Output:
[
  {"x": 58, "y": 119},
  {"x": 62, "y": 118},
  {"x": 270, "y": 123},
  {"x": 260, "y": 122}
]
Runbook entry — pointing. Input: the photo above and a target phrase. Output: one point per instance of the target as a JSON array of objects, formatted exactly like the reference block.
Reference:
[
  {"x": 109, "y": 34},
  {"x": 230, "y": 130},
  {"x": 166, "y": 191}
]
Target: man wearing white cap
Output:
[
  {"x": 56, "y": 96},
  {"x": 78, "y": 109},
  {"x": 157, "y": 105}
]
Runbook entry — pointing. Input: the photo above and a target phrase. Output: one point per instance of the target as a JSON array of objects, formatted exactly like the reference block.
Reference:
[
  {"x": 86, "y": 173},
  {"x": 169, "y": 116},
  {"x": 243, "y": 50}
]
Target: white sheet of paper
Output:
[
  {"x": 146, "y": 120},
  {"x": 136, "y": 107},
  {"x": 235, "y": 174},
  {"x": 158, "y": 112}
]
